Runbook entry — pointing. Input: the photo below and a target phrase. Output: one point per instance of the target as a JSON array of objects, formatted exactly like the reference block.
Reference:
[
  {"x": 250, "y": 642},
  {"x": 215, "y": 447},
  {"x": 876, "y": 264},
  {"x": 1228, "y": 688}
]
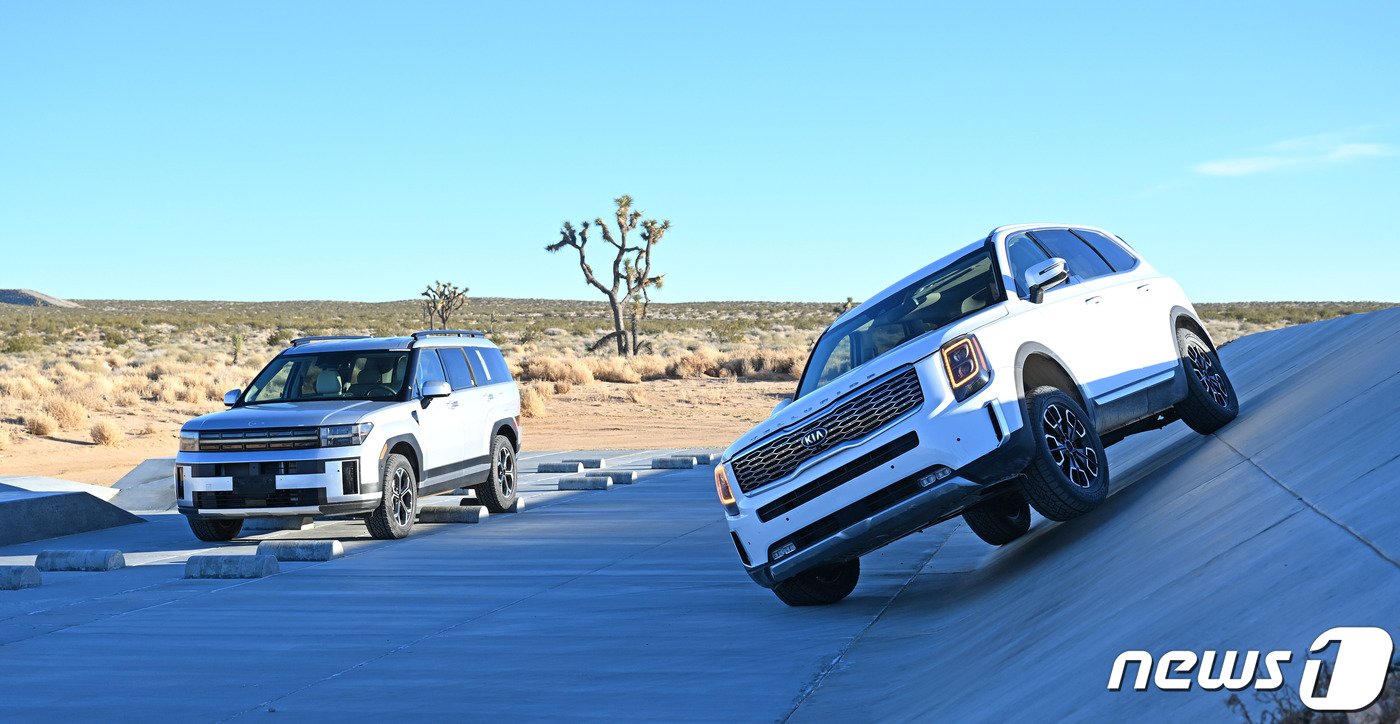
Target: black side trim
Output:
[
  {"x": 838, "y": 477},
  {"x": 456, "y": 467},
  {"x": 389, "y": 444}
]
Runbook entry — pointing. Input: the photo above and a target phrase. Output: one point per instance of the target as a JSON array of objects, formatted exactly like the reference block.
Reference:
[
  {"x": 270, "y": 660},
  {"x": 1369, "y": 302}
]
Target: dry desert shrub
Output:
[
  {"x": 531, "y": 402},
  {"x": 125, "y": 399},
  {"x": 106, "y": 433},
  {"x": 18, "y": 388},
  {"x": 701, "y": 362},
  {"x": 4, "y": 436},
  {"x": 638, "y": 395},
  {"x": 649, "y": 366},
  {"x": 613, "y": 369},
  {"x": 562, "y": 387},
  {"x": 149, "y": 429},
  {"x": 68, "y": 414},
  {"x": 40, "y": 425},
  {"x": 556, "y": 369}
]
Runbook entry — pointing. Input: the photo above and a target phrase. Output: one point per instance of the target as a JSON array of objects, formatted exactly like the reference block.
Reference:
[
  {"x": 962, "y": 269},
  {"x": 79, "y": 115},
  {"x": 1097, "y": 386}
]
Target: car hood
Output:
[{"x": 288, "y": 414}]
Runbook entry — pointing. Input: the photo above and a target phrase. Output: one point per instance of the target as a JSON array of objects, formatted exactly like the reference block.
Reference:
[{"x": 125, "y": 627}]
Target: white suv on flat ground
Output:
[
  {"x": 991, "y": 378},
  {"x": 355, "y": 426}
]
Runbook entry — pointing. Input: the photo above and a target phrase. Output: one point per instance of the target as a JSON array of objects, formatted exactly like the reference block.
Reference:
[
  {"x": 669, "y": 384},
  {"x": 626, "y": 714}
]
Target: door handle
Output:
[
  {"x": 453, "y": 404},
  {"x": 1093, "y": 300}
]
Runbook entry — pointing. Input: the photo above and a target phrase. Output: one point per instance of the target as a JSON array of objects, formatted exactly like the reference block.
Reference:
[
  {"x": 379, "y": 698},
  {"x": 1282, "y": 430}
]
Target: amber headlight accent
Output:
[
  {"x": 965, "y": 367},
  {"x": 726, "y": 496}
]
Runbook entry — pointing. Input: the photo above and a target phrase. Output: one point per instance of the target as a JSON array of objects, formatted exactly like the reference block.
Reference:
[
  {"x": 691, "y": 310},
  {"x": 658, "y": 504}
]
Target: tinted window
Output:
[
  {"x": 1081, "y": 260},
  {"x": 1023, "y": 254},
  {"x": 458, "y": 373},
  {"x": 429, "y": 368},
  {"x": 478, "y": 365},
  {"x": 495, "y": 363},
  {"x": 1116, "y": 256},
  {"x": 330, "y": 376}
]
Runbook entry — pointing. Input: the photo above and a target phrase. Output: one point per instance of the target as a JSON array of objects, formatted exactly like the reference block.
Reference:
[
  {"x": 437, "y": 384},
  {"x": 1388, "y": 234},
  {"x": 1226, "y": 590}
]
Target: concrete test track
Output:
[{"x": 630, "y": 603}]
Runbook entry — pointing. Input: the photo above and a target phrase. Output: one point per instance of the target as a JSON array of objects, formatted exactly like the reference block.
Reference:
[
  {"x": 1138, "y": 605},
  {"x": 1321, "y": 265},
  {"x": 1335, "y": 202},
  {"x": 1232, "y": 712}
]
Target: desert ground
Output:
[{"x": 88, "y": 393}]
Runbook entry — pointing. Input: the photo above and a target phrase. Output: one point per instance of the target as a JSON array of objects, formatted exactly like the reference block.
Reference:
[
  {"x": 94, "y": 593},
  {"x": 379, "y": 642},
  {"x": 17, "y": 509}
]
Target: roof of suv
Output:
[{"x": 365, "y": 344}]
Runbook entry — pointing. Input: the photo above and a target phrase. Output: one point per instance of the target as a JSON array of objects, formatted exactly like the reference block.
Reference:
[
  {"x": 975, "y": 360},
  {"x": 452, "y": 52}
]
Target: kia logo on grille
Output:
[{"x": 814, "y": 438}]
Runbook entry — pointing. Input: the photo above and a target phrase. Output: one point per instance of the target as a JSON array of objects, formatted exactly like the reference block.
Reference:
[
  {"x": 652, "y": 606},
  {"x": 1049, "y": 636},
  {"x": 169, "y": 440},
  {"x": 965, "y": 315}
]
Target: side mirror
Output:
[
  {"x": 1048, "y": 274},
  {"x": 781, "y": 404},
  {"x": 231, "y": 397},
  {"x": 435, "y": 388}
]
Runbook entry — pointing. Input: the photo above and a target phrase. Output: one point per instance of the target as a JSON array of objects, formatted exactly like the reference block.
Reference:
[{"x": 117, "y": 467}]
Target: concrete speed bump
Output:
[
  {"x": 702, "y": 458},
  {"x": 593, "y": 463},
  {"x": 584, "y": 482},
  {"x": 13, "y": 578},
  {"x": 672, "y": 463},
  {"x": 83, "y": 560},
  {"x": 301, "y": 550},
  {"x": 230, "y": 566},
  {"x": 618, "y": 477},
  {"x": 463, "y": 513},
  {"x": 518, "y": 506},
  {"x": 574, "y": 467}
]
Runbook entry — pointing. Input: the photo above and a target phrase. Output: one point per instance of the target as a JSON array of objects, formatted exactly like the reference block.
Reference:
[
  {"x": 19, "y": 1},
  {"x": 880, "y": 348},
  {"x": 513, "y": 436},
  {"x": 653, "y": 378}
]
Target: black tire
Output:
[
  {"x": 499, "y": 491},
  {"x": 1210, "y": 401},
  {"x": 820, "y": 586},
  {"x": 214, "y": 530},
  {"x": 1068, "y": 473},
  {"x": 398, "y": 509},
  {"x": 1001, "y": 519}
]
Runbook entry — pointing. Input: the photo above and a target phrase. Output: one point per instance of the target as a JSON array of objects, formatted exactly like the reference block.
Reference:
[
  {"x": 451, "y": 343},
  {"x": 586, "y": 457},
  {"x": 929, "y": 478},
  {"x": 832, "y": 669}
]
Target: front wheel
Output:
[
  {"x": 820, "y": 586},
  {"x": 398, "y": 509},
  {"x": 1001, "y": 519},
  {"x": 214, "y": 530},
  {"x": 1210, "y": 398},
  {"x": 498, "y": 492},
  {"x": 1068, "y": 473}
]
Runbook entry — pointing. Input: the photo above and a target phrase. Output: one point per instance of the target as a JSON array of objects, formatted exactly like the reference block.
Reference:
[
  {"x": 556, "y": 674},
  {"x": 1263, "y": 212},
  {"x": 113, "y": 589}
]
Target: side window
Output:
[
  {"x": 458, "y": 373},
  {"x": 478, "y": 365},
  {"x": 429, "y": 368},
  {"x": 1112, "y": 252},
  {"x": 1023, "y": 253},
  {"x": 1083, "y": 261},
  {"x": 496, "y": 365}
]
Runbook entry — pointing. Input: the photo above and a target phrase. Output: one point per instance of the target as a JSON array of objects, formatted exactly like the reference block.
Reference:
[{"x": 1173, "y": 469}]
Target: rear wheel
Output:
[
  {"x": 1001, "y": 519},
  {"x": 1210, "y": 398},
  {"x": 1068, "y": 473},
  {"x": 498, "y": 492},
  {"x": 214, "y": 529},
  {"x": 398, "y": 509},
  {"x": 820, "y": 586}
]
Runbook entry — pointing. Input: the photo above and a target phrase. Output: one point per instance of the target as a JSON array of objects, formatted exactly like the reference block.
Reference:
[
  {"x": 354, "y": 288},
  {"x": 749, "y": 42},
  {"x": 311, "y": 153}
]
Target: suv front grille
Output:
[
  {"x": 273, "y": 438},
  {"x": 860, "y": 415},
  {"x": 289, "y": 498}
]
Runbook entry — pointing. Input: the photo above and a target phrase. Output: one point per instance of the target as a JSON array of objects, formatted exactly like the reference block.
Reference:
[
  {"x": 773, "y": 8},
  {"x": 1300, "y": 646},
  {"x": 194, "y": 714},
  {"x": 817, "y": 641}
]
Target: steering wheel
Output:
[{"x": 379, "y": 391}]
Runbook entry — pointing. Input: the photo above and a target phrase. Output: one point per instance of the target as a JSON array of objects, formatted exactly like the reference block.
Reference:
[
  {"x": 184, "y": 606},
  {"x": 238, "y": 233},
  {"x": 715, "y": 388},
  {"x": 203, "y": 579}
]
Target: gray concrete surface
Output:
[
  {"x": 28, "y": 515},
  {"x": 631, "y": 604},
  {"x": 149, "y": 486},
  {"x": 430, "y": 512},
  {"x": 559, "y": 467},
  {"x": 618, "y": 477},
  {"x": 258, "y": 565},
  {"x": 672, "y": 463},
  {"x": 301, "y": 550},
  {"x": 14, "y": 578},
  {"x": 585, "y": 482}
]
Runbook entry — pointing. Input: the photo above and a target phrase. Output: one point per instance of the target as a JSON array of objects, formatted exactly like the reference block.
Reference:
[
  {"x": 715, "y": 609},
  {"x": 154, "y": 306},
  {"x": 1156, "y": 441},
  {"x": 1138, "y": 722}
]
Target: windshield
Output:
[
  {"x": 330, "y": 376},
  {"x": 963, "y": 287}
]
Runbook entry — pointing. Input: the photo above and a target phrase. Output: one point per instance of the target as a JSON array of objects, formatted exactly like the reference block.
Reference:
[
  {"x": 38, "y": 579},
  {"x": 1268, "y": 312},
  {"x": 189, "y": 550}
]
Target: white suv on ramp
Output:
[
  {"x": 990, "y": 379},
  {"x": 355, "y": 426}
]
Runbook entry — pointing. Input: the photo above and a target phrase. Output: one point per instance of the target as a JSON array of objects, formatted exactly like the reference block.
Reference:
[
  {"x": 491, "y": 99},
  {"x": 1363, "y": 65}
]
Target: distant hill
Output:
[{"x": 31, "y": 298}]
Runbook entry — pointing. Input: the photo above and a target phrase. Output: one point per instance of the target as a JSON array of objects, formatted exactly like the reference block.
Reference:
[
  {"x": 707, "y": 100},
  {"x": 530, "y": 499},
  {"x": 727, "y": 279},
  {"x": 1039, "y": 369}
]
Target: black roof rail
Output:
[
  {"x": 418, "y": 336},
  {"x": 299, "y": 341}
]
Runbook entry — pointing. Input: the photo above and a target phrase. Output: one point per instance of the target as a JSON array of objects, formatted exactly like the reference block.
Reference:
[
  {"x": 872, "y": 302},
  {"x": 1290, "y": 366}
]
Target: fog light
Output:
[
  {"x": 350, "y": 477},
  {"x": 938, "y": 475}
]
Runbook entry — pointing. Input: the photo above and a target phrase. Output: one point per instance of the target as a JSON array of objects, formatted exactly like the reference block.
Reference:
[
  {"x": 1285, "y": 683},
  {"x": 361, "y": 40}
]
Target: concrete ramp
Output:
[
  {"x": 149, "y": 486},
  {"x": 27, "y": 515},
  {"x": 1283, "y": 525}
]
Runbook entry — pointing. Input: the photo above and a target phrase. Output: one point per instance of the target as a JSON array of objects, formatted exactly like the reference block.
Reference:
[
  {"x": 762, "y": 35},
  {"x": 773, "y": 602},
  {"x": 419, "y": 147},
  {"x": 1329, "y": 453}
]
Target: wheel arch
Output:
[
  {"x": 407, "y": 446},
  {"x": 1182, "y": 318},
  {"x": 506, "y": 427},
  {"x": 1037, "y": 365}
]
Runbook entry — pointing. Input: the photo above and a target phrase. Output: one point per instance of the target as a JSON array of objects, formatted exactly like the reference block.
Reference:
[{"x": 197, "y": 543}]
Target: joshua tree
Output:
[
  {"x": 440, "y": 300},
  {"x": 631, "y": 267}
]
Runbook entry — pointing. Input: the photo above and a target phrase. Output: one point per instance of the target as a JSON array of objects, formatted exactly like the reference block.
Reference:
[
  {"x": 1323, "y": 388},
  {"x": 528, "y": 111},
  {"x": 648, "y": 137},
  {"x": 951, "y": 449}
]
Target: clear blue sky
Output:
[{"x": 337, "y": 150}]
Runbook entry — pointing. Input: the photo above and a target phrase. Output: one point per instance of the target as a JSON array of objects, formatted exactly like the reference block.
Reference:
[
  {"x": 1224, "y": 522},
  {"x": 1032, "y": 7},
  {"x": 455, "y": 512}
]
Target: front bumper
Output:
[{"x": 330, "y": 481}]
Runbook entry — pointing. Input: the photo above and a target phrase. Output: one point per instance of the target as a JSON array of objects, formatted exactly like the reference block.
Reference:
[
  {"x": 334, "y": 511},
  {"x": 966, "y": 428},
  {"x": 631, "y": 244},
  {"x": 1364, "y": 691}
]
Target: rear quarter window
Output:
[
  {"x": 494, "y": 364},
  {"x": 459, "y": 375},
  {"x": 1082, "y": 260},
  {"x": 1116, "y": 256}
]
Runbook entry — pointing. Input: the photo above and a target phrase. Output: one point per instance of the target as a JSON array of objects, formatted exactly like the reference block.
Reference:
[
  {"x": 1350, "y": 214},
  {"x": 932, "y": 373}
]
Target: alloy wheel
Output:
[
  {"x": 1208, "y": 374},
  {"x": 403, "y": 494},
  {"x": 1068, "y": 440},
  {"x": 505, "y": 470}
]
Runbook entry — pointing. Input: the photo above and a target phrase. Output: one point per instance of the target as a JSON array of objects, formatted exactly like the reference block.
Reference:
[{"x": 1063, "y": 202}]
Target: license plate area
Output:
[{"x": 254, "y": 484}]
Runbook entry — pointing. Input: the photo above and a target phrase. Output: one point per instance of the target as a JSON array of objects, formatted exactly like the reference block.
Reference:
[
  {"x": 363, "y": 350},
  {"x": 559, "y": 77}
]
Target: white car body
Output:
[
  {"x": 1114, "y": 335},
  {"x": 268, "y": 458}
]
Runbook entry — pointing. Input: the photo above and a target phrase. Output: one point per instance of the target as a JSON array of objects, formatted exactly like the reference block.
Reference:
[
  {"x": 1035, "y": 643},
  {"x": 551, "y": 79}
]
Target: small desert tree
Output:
[
  {"x": 440, "y": 301},
  {"x": 631, "y": 275}
]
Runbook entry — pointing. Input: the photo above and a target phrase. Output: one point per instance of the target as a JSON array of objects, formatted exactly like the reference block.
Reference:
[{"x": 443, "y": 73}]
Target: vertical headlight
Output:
[
  {"x": 344, "y": 435},
  {"x": 726, "y": 496},
  {"x": 965, "y": 367},
  {"x": 189, "y": 441}
]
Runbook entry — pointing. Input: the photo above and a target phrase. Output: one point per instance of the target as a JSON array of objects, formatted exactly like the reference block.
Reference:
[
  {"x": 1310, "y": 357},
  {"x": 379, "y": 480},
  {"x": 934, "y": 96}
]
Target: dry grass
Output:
[
  {"x": 107, "y": 433},
  {"x": 638, "y": 396},
  {"x": 40, "y": 425},
  {"x": 532, "y": 401},
  {"x": 612, "y": 369},
  {"x": 68, "y": 414},
  {"x": 4, "y": 436},
  {"x": 557, "y": 369}
]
